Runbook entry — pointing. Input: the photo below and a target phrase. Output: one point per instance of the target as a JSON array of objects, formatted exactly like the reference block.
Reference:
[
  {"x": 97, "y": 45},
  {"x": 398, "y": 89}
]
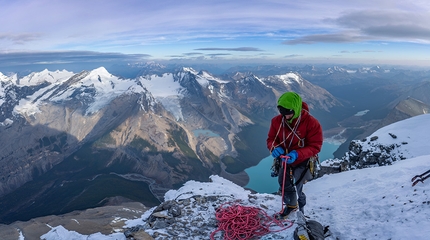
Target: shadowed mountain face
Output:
[{"x": 72, "y": 141}]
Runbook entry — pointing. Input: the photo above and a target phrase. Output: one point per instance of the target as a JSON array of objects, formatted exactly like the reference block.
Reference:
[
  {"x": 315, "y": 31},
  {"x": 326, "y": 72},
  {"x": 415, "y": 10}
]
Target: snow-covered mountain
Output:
[
  {"x": 378, "y": 202},
  {"x": 64, "y": 132}
]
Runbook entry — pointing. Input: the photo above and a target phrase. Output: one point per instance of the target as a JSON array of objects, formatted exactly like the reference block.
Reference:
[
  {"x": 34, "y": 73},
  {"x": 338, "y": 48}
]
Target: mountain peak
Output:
[
  {"x": 3, "y": 78},
  {"x": 37, "y": 78},
  {"x": 190, "y": 70},
  {"x": 101, "y": 71},
  {"x": 290, "y": 77}
]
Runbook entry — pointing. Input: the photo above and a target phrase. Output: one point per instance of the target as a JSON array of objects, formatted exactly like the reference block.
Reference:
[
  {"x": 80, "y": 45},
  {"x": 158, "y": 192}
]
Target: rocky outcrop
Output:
[
  {"x": 192, "y": 218},
  {"x": 176, "y": 219},
  {"x": 363, "y": 154},
  {"x": 361, "y": 158}
]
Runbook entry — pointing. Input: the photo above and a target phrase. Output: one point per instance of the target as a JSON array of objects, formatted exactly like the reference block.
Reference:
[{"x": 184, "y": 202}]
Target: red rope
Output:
[
  {"x": 284, "y": 165},
  {"x": 244, "y": 222}
]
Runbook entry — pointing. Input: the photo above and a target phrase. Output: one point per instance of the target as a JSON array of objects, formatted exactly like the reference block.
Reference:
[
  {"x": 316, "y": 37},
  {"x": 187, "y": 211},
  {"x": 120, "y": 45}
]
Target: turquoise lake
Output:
[
  {"x": 204, "y": 132},
  {"x": 259, "y": 175}
]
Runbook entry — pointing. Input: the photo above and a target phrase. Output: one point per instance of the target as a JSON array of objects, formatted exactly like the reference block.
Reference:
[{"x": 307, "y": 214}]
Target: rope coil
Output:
[{"x": 245, "y": 222}]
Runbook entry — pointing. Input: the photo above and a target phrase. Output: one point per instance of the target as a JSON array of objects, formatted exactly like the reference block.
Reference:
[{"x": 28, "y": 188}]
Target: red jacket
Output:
[{"x": 307, "y": 139}]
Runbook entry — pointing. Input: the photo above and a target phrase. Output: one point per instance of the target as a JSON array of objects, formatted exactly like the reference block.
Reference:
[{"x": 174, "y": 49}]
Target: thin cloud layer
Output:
[
  {"x": 326, "y": 38},
  {"x": 70, "y": 60},
  {"x": 240, "y": 49},
  {"x": 20, "y": 38},
  {"x": 361, "y": 26},
  {"x": 397, "y": 25},
  {"x": 76, "y": 56}
]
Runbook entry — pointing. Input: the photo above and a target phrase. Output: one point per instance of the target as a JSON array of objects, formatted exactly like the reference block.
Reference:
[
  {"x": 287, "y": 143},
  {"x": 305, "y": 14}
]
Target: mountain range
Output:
[{"x": 71, "y": 141}]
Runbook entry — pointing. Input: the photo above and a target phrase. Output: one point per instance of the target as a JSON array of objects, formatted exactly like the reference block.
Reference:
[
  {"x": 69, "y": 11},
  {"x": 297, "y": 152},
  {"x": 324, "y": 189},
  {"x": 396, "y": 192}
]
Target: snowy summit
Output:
[{"x": 370, "y": 203}]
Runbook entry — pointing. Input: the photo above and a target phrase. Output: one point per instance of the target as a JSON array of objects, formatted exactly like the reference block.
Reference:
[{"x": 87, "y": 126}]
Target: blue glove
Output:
[
  {"x": 278, "y": 151},
  {"x": 292, "y": 156}
]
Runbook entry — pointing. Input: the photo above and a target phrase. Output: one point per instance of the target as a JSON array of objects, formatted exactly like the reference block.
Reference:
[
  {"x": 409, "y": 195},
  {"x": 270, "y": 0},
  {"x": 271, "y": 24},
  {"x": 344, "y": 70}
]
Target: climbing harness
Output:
[
  {"x": 245, "y": 222},
  {"x": 420, "y": 178},
  {"x": 276, "y": 165},
  {"x": 293, "y": 130},
  {"x": 313, "y": 165}
]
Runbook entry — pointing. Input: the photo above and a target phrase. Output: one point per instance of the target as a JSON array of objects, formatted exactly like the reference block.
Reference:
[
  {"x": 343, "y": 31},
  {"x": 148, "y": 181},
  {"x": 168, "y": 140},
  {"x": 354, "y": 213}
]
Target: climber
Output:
[{"x": 294, "y": 137}]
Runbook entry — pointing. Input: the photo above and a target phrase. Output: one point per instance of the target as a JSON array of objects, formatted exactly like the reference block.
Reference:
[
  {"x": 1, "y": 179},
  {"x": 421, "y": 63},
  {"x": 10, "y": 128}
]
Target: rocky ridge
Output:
[
  {"x": 190, "y": 212},
  {"x": 358, "y": 156}
]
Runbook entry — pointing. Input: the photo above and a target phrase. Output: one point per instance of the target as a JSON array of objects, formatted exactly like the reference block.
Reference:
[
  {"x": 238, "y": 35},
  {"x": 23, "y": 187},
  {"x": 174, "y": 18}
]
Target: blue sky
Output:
[{"x": 272, "y": 31}]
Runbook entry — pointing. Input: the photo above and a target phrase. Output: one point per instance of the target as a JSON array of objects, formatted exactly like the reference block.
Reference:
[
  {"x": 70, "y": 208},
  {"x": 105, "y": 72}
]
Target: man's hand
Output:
[
  {"x": 278, "y": 151},
  {"x": 291, "y": 157}
]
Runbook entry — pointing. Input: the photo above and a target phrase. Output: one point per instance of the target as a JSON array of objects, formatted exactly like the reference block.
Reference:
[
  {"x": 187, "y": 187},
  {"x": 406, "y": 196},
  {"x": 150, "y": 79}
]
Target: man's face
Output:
[
  {"x": 287, "y": 113},
  {"x": 289, "y": 116}
]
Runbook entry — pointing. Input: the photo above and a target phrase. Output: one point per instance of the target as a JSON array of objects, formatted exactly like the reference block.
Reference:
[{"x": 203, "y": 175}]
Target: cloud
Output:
[
  {"x": 192, "y": 53},
  {"x": 400, "y": 31},
  {"x": 239, "y": 49},
  {"x": 326, "y": 38},
  {"x": 218, "y": 54},
  {"x": 365, "y": 19},
  {"x": 388, "y": 24},
  {"x": 359, "y": 26},
  {"x": 175, "y": 56},
  {"x": 19, "y": 38},
  {"x": 367, "y": 51},
  {"x": 363, "y": 51},
  {"x": 293, "y": 56},
  {"x": 185, "y": 55},
  {"x": 28, "y": 58}
]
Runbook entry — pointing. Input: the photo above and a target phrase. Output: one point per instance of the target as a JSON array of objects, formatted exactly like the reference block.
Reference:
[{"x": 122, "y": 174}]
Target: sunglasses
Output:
[{"x": 285, "y": 111}]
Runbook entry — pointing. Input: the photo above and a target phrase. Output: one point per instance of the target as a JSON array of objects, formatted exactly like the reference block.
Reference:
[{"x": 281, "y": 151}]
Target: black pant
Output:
[{"x": 292, "y": 189}]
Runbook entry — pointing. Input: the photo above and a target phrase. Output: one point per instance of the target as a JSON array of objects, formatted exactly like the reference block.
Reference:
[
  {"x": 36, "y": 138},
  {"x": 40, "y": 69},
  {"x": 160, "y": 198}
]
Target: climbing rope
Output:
[
  {"x": 284, "y": 165},
  {"x": 246, "y": 222}
]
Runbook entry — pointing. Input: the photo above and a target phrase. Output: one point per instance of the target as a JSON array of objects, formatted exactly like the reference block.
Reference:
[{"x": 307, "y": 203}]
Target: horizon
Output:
[
  {"x": 241, "y": 32},
  {"x": 128, "y": 69}
]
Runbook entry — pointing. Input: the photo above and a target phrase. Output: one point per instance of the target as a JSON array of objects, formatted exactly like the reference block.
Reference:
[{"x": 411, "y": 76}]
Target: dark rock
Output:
[
  {"x": 175, "y": 210},
  {"x": 392, "y": 135}
]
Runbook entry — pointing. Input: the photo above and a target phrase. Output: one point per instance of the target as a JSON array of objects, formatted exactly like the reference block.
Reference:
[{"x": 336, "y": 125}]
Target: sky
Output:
[
  {"x": 370, "y": 203},
  {"x": 52, "y": 32}
]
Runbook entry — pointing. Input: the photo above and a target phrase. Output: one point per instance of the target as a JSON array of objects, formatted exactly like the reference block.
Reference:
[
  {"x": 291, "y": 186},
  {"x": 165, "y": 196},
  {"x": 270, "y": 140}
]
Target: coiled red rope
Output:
[{"x": 245, "y": 222}]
